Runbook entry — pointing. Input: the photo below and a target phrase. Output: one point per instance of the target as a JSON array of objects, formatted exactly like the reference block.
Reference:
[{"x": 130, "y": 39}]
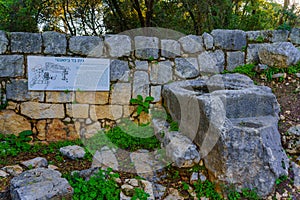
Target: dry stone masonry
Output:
[
  {"x": 145, "y": 65},
  {"x": 139, "y": 65}
]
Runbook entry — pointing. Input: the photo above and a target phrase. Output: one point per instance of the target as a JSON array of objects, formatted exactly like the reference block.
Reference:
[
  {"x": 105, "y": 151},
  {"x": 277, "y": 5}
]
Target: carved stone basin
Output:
[{"x": 234, "y": 124}]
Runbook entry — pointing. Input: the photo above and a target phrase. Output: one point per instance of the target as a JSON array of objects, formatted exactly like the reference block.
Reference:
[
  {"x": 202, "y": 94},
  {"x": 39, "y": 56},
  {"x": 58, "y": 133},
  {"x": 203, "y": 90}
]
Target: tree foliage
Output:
[{"x": 96, "y": 17}]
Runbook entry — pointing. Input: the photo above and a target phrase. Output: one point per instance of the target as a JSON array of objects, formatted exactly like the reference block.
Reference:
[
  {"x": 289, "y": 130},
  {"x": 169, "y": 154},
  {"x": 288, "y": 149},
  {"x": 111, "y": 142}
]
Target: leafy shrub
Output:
[
  {"x": 142, "y": 105},
  {"x": 140, "y": 194},
  {"x": 100, "y": 186},
  {"x": 206, "y": 189}
]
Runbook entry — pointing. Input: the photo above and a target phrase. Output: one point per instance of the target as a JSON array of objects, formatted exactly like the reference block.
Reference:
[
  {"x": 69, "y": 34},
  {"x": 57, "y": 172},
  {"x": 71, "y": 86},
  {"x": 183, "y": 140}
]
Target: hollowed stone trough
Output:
[{"x": 234, "y": 124}]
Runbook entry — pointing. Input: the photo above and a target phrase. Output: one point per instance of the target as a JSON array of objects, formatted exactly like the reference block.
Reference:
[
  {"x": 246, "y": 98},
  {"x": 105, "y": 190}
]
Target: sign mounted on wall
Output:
[{"x": 68, "y": 73}]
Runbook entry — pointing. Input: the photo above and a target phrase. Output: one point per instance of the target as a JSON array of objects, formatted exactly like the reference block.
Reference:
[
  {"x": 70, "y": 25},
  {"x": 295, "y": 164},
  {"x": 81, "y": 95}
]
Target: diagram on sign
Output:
[{"x": 50, "y": 72}]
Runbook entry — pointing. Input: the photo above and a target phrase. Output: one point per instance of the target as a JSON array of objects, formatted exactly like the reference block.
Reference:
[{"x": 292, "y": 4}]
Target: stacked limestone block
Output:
[{"x": 139, "y": 65}]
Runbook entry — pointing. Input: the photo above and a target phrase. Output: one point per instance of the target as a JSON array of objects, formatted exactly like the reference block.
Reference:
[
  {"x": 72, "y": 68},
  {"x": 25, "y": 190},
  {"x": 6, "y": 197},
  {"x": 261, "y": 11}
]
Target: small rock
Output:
[
  {"x": 3, "y": 174},
  {"x": 279, "y": 75},
  {"x": 194, "y": 178},
  {"x": 295, "y": 130},
  {"x": 128, "y": 190},
  {"x": 132, "y": 182},
  {"x": 202, "y": 177},
  {"x": 53, "y": 167},
  {"x": 296, "y": 170},
  {"x": 88, "y": 121},
  {"x": 13, "y": 170},
  {"x": 282, "y": 117},
  {"x": 73, "y": 152},
  {"x": 173, "y": 194},
  {"x": 298, "y": 75},
  {"x": 158, "y": 191},
  {"x": 35, "y": 163}
]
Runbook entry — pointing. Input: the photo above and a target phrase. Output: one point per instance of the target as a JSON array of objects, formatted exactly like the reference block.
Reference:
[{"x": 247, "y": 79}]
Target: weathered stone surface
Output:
[
  {"x": 235, "y": 59},
  {"x": 3, "y": 174},
  {"x": 161, "y": 73},
  {"x": 40, "y": 183},
  {"x": 131, "y": 184},
  {"x": 141, "y": 65},
  {"x": 146, "y": 47},
  {"x": 89, "y": 131},
  {"x": 73, "y": 152},
  {"x": 105, "y": 158},
  {"x": 280, "y": 36},
  {"x": 13, "y": 170},
  {"x": 41, "y": 128},
  {"x": 92, "y": 97},
  {"x": 17, "y": 90},
  {"x": 208, "y": 41},
  {"x": 252, "y": 53},
  {"x": 295, "y": 36},
  {"x": 192, "y": 44},
  {"x": 237, "y": 142},
  {"x": 22, "y": 42},
  {"x": 118, "y": 45},
  {"x": 11, "y": 65},
  {"x": 56, "y": 131},
  {"x": 280, "y": 55},
  {"x": 112, "y": 112},
  {"x": 36, "y": 110},
  {"x": 118, "y": 69},
  {"x": 156, "y": 93},
  {"x": 173, "y": 194},
  {"x": 296, "y": 171},
  {"x": 78, "y": 111},
  {"x": 186, "y": 67},
  {"x": 121, "y": 93},
  {"x": 60, "y": 97},
  {"x": 140, "y": 84},
  {"x": 12, "y": 123},
  {"x": 229, "y": 39},
  {"x": 128, "y": 110},
  {"x": 91, "y": 46},
  {"x": 3, "y": 42},
  {"x": 294, "y": 130},
  {"x": 54, "y": 42},
  {"x": 35, "y": 162},
  {"x": 211, "y": 62},
  {"x": 258, "y": 36},
  {"x": 170, "y": 48},
  {"x": 181, "y": 150}
]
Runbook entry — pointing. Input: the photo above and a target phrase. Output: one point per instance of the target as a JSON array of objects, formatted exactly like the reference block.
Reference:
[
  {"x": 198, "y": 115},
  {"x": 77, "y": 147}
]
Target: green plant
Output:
[
  {"x": 294, "y": 69},
  {"x": 206, "y": 189},
  {"x": 271, "y": 71},
  {"x": 3, "y": 105},
  {"x": 117, "y": 137},
  {"x": 13, "y": 145},
  {"x": 247, "y": 69},
  {"x": 284, "y": 26},
  {"x": 140, "y": 194},
  {"x": 142, "y": 105},
  {"x": 260, "y": 39},
  {"x": 281, "y": 179},
  {"x": 250, "y": 194},
  {"x": 100, "y": 186}
]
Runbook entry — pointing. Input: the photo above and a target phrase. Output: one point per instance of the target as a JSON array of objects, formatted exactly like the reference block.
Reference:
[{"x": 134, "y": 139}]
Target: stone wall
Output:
[{"x": 139, "y": 65}]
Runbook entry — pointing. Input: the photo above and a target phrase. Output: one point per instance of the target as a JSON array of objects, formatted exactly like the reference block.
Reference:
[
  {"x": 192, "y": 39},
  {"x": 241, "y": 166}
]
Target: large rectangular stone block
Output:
[
  {"x": 229, "y": 39},
  {"x": 11, "y": 65},
  {"x": 78, "y": 110},
  {"x": 91, "y": 46},
  {"x": 112, "y": 112},
  {"x": 92, "y": 97},
  {"x": 3, "y": 42},
  {"x": 26, "y": 42},
  {"x": 36, "y": 110},
  {"x": 121, "y": 93},
  {"x": 146, "y": 47},
  {"x": 60, "y": 97},
  {"x": 17, "y": 90},
  {"x": 54, "y": 43}
]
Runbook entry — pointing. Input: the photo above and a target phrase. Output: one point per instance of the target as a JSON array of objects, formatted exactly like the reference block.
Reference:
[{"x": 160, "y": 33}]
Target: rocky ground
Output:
[{"x": 287, "y": 92}]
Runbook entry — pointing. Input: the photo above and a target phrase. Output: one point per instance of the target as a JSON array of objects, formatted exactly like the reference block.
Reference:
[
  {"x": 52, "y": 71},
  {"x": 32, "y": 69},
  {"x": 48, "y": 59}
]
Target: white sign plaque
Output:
[{"x": 68, "y": 73}]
